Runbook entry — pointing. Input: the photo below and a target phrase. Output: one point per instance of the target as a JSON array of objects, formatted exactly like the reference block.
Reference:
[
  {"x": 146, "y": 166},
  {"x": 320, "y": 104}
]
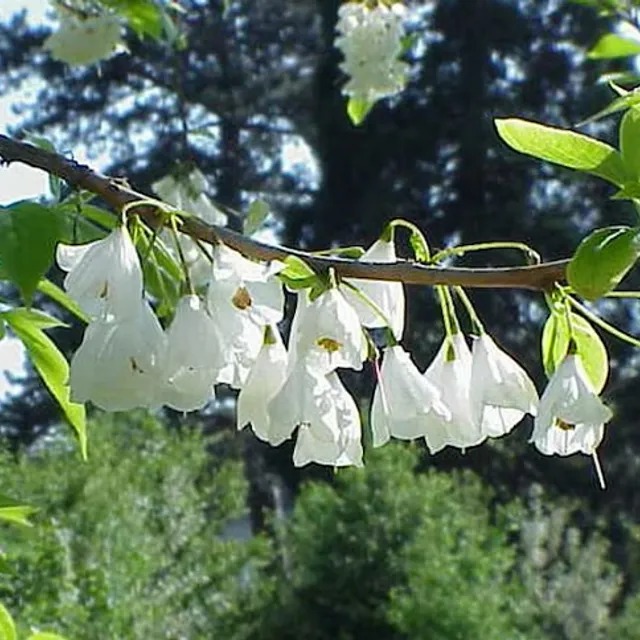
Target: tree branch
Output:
[{"x": 118, "y": 195}]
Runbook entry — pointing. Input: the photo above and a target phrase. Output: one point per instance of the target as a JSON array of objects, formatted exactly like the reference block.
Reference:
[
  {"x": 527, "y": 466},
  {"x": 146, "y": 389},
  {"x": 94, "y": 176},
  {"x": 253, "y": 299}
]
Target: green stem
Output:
[
  {"x": 369, "y": 302},
  {"x": 622, "y": 294},
  {"x": 356, "y": 251},
  {"x": 603, "y": 324},
  {"x": 417, "y": 236},
  {"x": 532, "y": 255},
  {"x": 475, "y": 319},
  {"x": 449, "y": 318},
  {"x": 183, "y": 261}
]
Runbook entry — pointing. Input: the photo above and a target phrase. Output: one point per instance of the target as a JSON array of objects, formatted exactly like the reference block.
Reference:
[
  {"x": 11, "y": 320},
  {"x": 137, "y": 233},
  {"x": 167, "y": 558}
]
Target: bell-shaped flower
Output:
[
  {"x": 329, "y": 334},
  {"x": 264, "y": 381},
  {"x": 501, "y": 391},
  {"x": 388, "y": 297},
  {"x": 117, "y": 366},
  {"x": 193, "y": 359},
  {"x": 450, "y": 373},
  {"x": 405, "y": 404},
  {"x": 306, "y": 397},
  {"x": 84, "y": 41},
  {"x": 345, "y": 448},
  {"x": 571, "y": 416},
  {"x": 104, "y": 277}
]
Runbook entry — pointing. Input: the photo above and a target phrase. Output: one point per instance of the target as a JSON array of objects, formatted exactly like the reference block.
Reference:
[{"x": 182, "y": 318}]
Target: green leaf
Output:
[
  {"x": 622, "y": 102},
  {"x": 12, "y": 511},
  {"x": 60, "y": 296},
  {"x": 296, "y": 269},
  {"x": 629, "y": 141},
  {"x": 143, "y": 16},
  {"x": 258, "y": 212},
  {"x": 7, "y": 626},
  {"x": 612, "y": 45},
  {"x": 563, "y": 147},
  {"x": 555, "y": 341},
  {"x": 602, "y": 259},
  {"x": 358, "y": 110},
  {"x": 45, "y": 635},
  {"x": 50, "y": 364},
  {"x": 28, "y": 236}
]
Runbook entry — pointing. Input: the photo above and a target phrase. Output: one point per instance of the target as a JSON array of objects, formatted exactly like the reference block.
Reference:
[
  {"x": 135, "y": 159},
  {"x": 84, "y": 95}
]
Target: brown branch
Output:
[{"x": 117, "y": 195}]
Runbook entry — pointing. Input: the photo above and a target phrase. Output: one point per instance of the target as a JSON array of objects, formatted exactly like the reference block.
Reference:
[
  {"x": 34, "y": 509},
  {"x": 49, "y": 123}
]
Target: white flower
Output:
[
  {"x": 305, "y": 398},
  {"x": 264, "y": 381},
  {"x": 117, "y": 364},
  {"x": 405, "y": 405},
  {"x": 346, "y": 447},
  {"x": 104, "y": 277},
  {"x": 79, "y": 41},
  {"x": 501, "y": 390},
  {"x": 193, "y": 357},
  {"x": 329, "y": 334},
  {"x": 387, "y": 296},
  {"x": 450, "y": 373},
  {"x": 571, "y": 416},
  {"x": 371, "y": 41},
  {"x": 188, "y": 195}
]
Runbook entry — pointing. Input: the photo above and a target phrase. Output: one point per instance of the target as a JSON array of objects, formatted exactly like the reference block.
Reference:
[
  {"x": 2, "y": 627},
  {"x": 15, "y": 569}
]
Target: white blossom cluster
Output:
[
  {"x": 230, "y": 335},
  {"x": 371, "y": 41},
  {"x": 83, "y": 40}
]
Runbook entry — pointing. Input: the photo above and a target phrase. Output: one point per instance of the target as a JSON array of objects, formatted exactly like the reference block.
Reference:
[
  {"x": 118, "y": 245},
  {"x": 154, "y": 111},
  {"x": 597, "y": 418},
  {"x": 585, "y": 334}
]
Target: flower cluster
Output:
[
  {"x": 371, "y": 41},
  {"x": 228, "y": 334},
  {"x": 82, "y": 40}
]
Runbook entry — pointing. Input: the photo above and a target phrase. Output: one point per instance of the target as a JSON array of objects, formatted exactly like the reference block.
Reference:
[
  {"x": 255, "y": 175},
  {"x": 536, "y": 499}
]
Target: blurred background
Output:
[{"x": 180, "y": 527}]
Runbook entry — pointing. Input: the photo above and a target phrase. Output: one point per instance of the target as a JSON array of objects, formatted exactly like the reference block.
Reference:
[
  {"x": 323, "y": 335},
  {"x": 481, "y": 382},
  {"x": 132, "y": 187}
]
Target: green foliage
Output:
[
  {"x": 28, "y": 236},
  {"x": 129, "y": 544},
  {"x": 602, "y": 259},
  {"x": 612, "y": 45},
  {"x": 257, "y": 214},
  {"x": 358, "y": 109},
  {"x": 12, "y": 511},
  {"x": 557, "y": 332}
]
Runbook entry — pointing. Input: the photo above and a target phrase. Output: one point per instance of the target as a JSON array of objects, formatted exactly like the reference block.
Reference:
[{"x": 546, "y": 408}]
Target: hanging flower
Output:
[
  {"x": 501, "y": 391},
  {"x": 104, "y": 277},
  {"x": 571, "y": 416},
  {"x": 450, "y": 373},
  {"x": 329, "y": 334},
  {"x": 264, "y": 381},
  {"x": 371, "y": 41},
  {"x": 405, "y": 404},
  {"x": 117, "y": 366},
  {"x": 387, "y": 296},
  {"x": 345, "y": 448},
  {"x": 81, "y": 41},
  {"x": 193, "y": 359}
]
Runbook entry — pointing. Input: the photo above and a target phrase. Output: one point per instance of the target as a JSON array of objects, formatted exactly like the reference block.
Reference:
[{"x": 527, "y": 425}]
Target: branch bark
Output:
[{"x": 118, "y": 195}]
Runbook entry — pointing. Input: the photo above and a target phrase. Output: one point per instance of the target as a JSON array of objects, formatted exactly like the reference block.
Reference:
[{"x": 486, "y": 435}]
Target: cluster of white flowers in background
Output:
[
  {"x": 229, "y": 334},
  {"x": 371, "y": 40},
  {"x": 84, "y": 39}
]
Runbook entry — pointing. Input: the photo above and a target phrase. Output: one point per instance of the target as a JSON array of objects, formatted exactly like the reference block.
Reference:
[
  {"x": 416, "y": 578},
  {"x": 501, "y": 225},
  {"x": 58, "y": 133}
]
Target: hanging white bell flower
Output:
[
  {"x": 85, "y": 41},
  {"x": 117, "y": 366},
  {"x": 571, "y": 416},
  {"x": 194, "y": 357},
  {"x": 387, "y": 296},
  {"x": 306, "y": 397},
  {"x": 345, "y": 449},
  {"x": 105, "y": 276},
  {"x": 405, "y": 404},
  {"x": 329, "y": 334},
  {"x": 188, "y": 194},
  {"x": 450, "y": 373},
  {"x": 501, "y": 391},
  {"x": 266, "y": 378},
  {"x": 371, "y": 42}
]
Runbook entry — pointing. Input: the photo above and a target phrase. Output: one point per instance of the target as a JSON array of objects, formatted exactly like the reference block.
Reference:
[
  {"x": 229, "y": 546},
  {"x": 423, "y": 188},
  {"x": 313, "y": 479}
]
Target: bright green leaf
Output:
[
  {"x": 7, "y": 626},
  {"x": 555, "y": 341},
  {"x": 143, "y": 16},
  {"x": 296, "y": 269},
  {"x": 564, "y": 147},
  {"x": 258, "y": 212},
  {"x": 622, "y": 102},
  {"x": 60, "y": 296},
  {"x": 358, "y": 110},
  {"x": 602, "y": 259},
  {"x": 612, "y": 45},
  {"x": 630, "y": 141},
  {"x": 28, "y": 236},
  {"x": 44, "y": 635},
  {"x": 50, "y": 364}
]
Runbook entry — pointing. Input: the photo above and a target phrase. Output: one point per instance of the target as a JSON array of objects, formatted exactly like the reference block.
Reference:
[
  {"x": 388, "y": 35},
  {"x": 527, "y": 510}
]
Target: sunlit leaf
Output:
[
  {"x": 622, "y": 102},
  {"x": 258, "y": 212},
  {"x": 60, "y": 296},
  {"x": 7, "y": 625},
  {"x": 45, "y": 635},
  {"x": 12, "y": 511},
  {"x": 358, "y": 109},
  {"x": 555, "y": 342},
  {"x": 50, "y": 364},
  {"x": 564, "y": 147},
  {"x": 612, "y": 45}
]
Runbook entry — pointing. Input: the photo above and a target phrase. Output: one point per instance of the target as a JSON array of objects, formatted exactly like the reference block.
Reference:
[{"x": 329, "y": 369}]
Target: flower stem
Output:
[
  {"x": 369, "y": 302},
  {"x": 183, "y": 261},
  {"x": 475, "y": 319},
  {"x": 533, "y": 257},
  {"x": 603, "y": 324},
  {"x": 418, "y": 241},
  {"x": 451, "y": 325}
]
